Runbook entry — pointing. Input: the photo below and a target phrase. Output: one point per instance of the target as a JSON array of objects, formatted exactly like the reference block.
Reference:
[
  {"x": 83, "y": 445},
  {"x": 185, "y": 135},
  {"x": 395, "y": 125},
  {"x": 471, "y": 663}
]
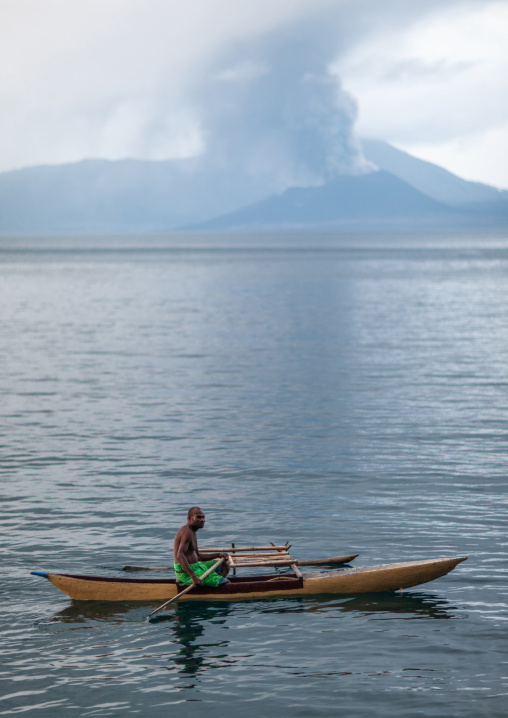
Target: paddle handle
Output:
[{"x": 189, "y": 588}]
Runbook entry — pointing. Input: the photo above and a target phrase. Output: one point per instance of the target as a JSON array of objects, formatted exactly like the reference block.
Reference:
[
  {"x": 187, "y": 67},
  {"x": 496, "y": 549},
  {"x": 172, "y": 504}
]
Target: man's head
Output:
[{"x": 195, "y": 518}]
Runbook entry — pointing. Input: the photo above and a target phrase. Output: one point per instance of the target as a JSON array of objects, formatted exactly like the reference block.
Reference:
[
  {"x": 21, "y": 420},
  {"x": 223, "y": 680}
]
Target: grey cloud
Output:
[{"x": 413, "y": 68}]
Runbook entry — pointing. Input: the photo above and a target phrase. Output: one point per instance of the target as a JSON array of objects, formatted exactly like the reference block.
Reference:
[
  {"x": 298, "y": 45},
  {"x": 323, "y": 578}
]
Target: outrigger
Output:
[
  {"x": 372, "y": 579},
  {"x": 256, "y": 556}
]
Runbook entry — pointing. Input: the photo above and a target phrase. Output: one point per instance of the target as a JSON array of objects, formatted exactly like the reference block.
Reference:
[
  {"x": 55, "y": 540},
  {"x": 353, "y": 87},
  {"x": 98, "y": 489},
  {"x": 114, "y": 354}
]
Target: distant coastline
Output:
[{"x": 131, "y": 196}]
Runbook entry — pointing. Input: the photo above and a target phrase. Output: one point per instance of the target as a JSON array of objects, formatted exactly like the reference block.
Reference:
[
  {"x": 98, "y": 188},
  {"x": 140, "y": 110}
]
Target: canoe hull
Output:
[{"x": 373, "y": 579}]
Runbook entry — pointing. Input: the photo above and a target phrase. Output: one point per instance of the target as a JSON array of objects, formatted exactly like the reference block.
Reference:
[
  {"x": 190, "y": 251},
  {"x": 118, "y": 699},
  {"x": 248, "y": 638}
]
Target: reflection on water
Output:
[
  {"x": 190, "y": 638},
  {"x": 188, "y": 626},
  {"x": 192, "y": 646},
  {"x": 186, "y": 621},
  {"x": 413, "y": 605},
  {"x": 112, "y": 612},
  {"x": 189, "y": 618}
]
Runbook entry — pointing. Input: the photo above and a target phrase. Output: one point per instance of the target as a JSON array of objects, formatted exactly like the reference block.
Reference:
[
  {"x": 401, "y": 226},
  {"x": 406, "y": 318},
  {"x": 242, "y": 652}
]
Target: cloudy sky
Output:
[{"x": 161, "y": 79}]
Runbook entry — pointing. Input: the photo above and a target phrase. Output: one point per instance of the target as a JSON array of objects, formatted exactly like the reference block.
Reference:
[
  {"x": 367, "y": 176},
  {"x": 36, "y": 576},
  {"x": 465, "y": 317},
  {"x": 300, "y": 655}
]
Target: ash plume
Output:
[{"x": 272, "y": 111}]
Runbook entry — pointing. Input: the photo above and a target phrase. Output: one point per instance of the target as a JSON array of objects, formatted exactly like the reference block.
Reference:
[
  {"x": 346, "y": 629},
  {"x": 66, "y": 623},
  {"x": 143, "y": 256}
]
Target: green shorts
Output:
[{"x": 213, "y": 579}]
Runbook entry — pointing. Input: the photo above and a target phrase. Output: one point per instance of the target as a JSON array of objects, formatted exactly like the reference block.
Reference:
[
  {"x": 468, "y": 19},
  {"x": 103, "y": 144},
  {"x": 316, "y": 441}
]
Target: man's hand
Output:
[{"x": 196, "y": 581}]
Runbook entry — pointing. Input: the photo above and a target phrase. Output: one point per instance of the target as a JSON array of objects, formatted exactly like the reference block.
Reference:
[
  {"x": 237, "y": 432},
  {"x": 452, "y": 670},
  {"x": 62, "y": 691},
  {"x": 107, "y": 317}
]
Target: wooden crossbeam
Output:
[
  {"x": 253, "y": 556},
  {"x": 237, "y": 549},
  {"x": 258, "y": 556},
  {"x": 270, "y": 559},
  {"x": 286, "y": 562},
  {"x": 279, "y": 559}
]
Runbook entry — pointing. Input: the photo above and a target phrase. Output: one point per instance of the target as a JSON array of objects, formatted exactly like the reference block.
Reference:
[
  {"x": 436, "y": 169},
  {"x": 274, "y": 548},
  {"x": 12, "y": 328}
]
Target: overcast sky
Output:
[{"x": 155, "y": 78}]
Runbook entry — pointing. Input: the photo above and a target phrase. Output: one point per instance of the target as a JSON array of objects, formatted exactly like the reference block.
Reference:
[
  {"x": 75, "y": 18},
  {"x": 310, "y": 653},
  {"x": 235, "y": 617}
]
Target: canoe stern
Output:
[{"x": 84, "y": 588}]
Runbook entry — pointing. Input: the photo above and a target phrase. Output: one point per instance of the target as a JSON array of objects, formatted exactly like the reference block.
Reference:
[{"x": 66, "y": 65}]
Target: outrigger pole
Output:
[{"x": 258, "y": 556}]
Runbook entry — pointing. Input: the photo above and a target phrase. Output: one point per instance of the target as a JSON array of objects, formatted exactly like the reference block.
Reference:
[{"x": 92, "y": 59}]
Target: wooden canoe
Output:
[{"x": 387, "y": 577}]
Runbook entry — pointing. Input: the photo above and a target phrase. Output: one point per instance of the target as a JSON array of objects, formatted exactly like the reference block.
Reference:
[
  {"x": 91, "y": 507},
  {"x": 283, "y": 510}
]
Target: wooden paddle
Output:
[{"x": 189, "y": 588}]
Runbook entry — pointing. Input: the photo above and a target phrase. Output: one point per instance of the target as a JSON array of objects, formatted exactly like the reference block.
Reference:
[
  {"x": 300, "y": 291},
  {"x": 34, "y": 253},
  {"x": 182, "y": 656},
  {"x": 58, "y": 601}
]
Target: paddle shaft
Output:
[{"x": 189, "y": 588}]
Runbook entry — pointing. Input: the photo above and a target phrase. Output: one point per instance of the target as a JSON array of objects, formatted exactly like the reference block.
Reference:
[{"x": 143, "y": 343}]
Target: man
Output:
[{"x": 190, "y": 562}]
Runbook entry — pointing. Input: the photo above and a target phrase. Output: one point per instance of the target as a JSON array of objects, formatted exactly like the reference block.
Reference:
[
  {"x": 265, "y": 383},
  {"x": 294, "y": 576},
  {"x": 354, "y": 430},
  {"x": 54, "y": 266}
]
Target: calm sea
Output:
[{"x": 348, "y": 393}]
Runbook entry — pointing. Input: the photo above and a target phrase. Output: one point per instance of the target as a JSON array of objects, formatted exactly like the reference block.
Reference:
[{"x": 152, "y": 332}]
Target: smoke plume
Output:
[{"x": 272, "y": 110}]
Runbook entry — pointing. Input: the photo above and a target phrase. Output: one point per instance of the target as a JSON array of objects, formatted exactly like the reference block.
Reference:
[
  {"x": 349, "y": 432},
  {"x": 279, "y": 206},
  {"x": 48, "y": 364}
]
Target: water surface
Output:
[{"x": 346, "y": 392}]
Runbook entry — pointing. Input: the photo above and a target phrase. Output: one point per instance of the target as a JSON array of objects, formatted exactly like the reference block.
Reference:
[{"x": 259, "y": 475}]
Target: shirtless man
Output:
[{"x": 190, "y": 562}]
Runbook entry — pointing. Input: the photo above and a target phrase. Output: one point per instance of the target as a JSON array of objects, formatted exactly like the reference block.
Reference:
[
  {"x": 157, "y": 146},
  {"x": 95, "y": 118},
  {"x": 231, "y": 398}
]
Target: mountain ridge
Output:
[
  {"x": 429, "y": 178},
  {"x": 377, "y": 197},
  {"x": 129, "y": 195}
]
